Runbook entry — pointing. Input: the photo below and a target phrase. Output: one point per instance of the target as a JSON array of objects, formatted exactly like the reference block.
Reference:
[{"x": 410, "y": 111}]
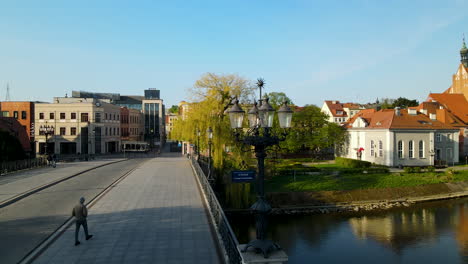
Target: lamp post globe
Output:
[
  {"x": 253, "y": 116},
  {"x": 267, "y": 113},
  {"x": 285, "y": 115}
]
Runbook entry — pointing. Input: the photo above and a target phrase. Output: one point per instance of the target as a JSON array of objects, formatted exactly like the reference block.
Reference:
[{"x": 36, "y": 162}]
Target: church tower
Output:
[
  {"x": 464, "y": 54},
  {"x": 460, "y": 79}
]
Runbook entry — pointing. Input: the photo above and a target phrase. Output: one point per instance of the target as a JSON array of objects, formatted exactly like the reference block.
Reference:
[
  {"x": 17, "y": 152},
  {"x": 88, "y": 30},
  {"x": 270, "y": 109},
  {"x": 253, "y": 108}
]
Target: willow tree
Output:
[{"x": 211, "y": 97}]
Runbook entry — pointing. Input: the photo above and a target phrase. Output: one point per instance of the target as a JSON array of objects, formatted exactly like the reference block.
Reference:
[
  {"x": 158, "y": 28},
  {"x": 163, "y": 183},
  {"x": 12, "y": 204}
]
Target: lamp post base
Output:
[
  {"x": 250, "y": 256},
  {"x": 262, "y": 246}
]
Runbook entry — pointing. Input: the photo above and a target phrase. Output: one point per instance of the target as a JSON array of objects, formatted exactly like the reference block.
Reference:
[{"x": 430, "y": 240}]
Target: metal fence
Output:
[
  {"x": 10, "y": 166},
  {"x": 226, "y": 235}
]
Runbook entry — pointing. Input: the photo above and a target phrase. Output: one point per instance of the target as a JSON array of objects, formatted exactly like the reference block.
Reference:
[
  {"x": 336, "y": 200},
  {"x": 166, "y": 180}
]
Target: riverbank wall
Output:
[{"x": 360, "y": 200}]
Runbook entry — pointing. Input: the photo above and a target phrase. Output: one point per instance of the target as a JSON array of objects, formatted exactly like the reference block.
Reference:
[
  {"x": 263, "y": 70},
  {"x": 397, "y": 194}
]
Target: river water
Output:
[{"x": 435, "y": 232}]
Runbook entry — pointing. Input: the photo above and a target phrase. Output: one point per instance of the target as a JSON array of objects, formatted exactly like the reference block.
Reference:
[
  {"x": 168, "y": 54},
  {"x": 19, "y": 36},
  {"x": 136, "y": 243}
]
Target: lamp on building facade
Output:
[
  {"x": 46, "y": 130},
  {"x": 260, "y": 137}
]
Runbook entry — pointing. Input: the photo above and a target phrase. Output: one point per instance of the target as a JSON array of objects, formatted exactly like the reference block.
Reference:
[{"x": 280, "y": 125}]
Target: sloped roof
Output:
[
  {"x": 352, "y": 106},
  {"x": 365, "y": 114},
  {"x": 336, "y": 106},
  {"x": 387, "y": 119},
  {"x": 455, "y": 103}
]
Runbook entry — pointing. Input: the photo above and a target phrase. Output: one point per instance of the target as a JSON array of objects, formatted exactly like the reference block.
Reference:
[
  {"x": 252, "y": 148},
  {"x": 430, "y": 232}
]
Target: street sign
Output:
[{"x": 243, "y": 176}]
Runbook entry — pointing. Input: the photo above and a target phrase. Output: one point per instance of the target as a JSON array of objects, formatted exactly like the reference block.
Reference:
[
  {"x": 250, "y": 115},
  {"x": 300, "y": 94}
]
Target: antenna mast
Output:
[{"x": 7, "y": 97}]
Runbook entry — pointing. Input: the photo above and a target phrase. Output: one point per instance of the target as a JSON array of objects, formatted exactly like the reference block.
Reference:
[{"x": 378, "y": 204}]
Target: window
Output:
[
  {"x": 73, "y": 131},
  {"x": 380, "y": 148},
  {"x": 73, "y": 116},
  {"x": 439, "y": 137},
  {"x": 41, "y": 115},
  {"x": 97, "y": 117},
  {"x": 51, "y": 115},
  {"x": 411, "y": 149},
  {"x": 372, "y": 148},
  {"x": 400, "y": 149},
  {"x": 105, "y": 116},
  {"x": 5, "y": 113},
  {"x": 62, "y": 116},
  {"x": 23, "y": 115},
  {"x": 421, "y": 149},
  {"x": 62, "y": 131},
  {"x": 106, "y": 131},
  {"x": 84, "y": 117},
  {"x": 15, "y": 114}
]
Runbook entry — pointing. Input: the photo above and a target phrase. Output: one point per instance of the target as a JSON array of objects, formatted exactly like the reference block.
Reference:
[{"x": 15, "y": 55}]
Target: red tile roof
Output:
[
  {"x": 455, "y": 103},
  {"x": 387, "y": 119}
]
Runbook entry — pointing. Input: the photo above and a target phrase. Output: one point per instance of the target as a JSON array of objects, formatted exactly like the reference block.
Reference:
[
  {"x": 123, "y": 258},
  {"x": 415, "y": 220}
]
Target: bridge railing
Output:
[
  {"x": 225, "y": 235},
  {"x": 10, "y": 166}
]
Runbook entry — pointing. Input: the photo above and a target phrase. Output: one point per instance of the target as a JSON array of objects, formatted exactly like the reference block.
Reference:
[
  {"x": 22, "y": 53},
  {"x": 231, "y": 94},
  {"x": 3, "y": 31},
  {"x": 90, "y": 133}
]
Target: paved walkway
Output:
[
  {"x": 14, "y": 184},
  {"x": 154, "y": 215}
]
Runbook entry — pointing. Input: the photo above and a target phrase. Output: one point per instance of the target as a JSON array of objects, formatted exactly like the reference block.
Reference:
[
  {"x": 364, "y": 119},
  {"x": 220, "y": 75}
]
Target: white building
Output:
[
  {"x": 401, "y": 137},
  {"x": 340, "y": 112},
  {"x": 81, "y": 125}
]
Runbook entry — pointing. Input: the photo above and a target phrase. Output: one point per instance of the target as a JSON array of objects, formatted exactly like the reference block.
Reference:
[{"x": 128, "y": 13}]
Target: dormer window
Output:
[{"x": 339, "y": 112}]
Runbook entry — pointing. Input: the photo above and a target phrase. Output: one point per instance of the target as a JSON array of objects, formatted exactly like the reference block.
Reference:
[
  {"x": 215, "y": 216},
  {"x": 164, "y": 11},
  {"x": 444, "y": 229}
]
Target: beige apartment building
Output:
[{"x": 81, "y": 126}]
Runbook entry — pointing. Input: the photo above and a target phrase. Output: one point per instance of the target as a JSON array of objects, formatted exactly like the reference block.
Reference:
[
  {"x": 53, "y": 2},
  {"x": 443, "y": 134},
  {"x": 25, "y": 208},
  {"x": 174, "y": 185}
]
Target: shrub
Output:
[
  {"x": 352, "y": 163},
  {"x": 417, "y": 169},
  {"x": 451, "y": 172},
  {"x": 431, "y": 169},
  {"x": 408, "y": 169}
]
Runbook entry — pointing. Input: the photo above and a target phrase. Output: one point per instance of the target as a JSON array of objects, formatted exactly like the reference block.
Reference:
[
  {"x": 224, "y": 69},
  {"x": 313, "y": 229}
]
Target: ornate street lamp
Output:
[
  {"x": 259, "y": 136},
  {"x": 210, "y": 142},
  {"x": 46, "y": 130}
]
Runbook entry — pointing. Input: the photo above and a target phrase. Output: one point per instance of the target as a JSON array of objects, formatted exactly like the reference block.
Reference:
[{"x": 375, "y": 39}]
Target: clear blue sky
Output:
[{"x": 311, "y": 50}]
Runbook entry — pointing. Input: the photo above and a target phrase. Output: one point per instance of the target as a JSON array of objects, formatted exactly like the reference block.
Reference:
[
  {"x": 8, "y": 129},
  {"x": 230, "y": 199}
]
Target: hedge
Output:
[{"x": 352, "y": 163}]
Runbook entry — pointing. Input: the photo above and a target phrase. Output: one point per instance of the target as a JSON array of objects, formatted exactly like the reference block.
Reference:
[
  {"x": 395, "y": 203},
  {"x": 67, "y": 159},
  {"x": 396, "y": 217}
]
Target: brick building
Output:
[{"x": 24, "y": 113}]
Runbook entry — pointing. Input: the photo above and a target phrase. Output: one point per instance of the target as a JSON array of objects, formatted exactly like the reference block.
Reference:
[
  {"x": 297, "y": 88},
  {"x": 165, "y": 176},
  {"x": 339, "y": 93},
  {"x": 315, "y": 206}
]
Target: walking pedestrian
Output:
[{"x": 80, "y": 212}]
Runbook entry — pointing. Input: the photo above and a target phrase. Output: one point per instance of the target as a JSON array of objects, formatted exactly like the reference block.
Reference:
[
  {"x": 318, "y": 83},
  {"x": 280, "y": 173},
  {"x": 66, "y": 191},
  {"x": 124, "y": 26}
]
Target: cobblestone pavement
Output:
[{"x": 154, "y": 215}]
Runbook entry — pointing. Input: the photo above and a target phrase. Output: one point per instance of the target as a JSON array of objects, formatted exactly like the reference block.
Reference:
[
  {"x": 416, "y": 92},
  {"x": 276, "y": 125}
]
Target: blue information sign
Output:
[{"x": 243, "y": 176}]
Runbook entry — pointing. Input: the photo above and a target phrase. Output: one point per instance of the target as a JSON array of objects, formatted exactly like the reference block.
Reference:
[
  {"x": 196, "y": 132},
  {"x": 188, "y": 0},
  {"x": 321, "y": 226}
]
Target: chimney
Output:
[
  {"x": 433, "y": 116},
  {"x": 397, "y": 111}
]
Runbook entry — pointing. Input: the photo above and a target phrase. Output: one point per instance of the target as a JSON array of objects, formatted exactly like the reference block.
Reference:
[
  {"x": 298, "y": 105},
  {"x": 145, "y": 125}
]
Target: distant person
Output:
[
  {"x": 80, "y": 212},
  {"x": 49, "y": 159},
  {"x": 54, "y": 160}
]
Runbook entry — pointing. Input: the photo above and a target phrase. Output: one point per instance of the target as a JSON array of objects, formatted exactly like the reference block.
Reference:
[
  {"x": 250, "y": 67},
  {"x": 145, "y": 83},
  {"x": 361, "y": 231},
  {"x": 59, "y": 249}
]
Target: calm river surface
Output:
[{"x": 434, "y": 232}]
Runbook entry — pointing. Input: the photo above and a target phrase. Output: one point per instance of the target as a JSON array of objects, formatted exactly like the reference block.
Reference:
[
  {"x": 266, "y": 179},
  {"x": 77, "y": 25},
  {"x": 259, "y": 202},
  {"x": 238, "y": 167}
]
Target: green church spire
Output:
[{"x": 464, "y": 53}]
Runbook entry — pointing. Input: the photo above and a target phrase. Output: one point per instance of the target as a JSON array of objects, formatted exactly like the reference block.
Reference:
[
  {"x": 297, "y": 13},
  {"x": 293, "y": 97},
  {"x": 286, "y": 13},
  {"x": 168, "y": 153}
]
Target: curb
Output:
[
  {"x": 47, "y": 185},
  {"x": 42, "y": 246}
]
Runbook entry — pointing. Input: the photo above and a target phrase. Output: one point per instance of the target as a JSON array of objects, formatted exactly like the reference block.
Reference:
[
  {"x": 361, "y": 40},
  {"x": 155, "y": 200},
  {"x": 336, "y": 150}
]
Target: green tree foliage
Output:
[
  {"x": 212, "y": 94},
  {"x": 10, "y": 147},
  {"x": 401, "y": 102},
  {"x": 404, "y": 102},
  {"x": 276, "y": 99},
  {"x": 311, "y": 131},
  {"x": 174, "y": 109}
]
